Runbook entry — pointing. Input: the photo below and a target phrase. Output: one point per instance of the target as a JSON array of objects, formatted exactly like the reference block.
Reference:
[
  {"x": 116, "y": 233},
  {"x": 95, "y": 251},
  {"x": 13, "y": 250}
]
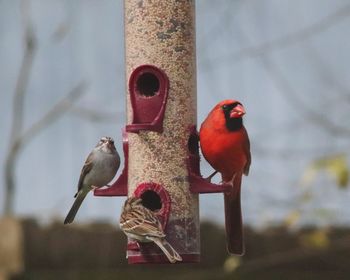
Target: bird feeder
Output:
[{"x": 160, "y": 138}]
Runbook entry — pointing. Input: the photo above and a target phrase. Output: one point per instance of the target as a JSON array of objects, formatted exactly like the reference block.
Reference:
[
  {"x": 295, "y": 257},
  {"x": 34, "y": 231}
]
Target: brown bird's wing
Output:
[
  {"x": 85, "y": 170},
  {"x": 141, "y": 221}
]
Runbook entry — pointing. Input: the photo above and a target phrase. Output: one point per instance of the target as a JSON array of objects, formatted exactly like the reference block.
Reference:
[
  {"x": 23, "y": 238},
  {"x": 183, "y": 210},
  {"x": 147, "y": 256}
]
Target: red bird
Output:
[{"x": 225, "y": 145}]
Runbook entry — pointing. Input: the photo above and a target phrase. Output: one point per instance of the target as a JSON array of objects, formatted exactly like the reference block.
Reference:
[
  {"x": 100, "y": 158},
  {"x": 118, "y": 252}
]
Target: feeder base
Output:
[{"x": 162, "y": 259}]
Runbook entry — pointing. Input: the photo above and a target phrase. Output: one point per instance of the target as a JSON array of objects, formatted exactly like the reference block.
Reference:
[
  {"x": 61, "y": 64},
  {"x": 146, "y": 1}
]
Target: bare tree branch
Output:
[
  {"x": 290, "y": 94},
  {"x": 19, "y": 136},
  {"x": 30, "y": 47},
  {"x": 230, "y": 11},
  {"x": 23, "y": 138},
  {"x": 56, "y": 111},
  {"x": 284, "y": 41},
  {"x": 22, "y": 81},
  {"x": 294, "y": 153},
  {"x": 325, "y": 73}
]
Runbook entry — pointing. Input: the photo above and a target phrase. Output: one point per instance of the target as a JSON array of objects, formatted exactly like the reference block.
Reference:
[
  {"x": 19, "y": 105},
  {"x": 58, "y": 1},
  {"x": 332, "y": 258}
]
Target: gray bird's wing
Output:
[{"x": 85, "y": 170}]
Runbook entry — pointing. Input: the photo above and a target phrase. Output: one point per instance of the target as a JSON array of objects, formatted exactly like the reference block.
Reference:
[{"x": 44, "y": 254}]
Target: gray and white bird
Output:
[
  {"x": 141, "y": 224},
  {"x": 99, "y": 169}
]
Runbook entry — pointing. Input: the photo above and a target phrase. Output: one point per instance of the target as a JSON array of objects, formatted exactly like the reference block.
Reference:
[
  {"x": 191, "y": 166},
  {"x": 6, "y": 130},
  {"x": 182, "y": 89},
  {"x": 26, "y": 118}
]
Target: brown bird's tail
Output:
[
  {"x": 233, "y": 218},
  {"x": 80, "y": 196},
  {"x": 167, "y": 249}
]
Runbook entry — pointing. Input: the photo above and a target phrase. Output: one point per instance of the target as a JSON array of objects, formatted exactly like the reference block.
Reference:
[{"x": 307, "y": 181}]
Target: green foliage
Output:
[
  {"x": 232, "y": 263},
  {"x": 335, "y": 165},
  {"x": 316, "y": 239}
]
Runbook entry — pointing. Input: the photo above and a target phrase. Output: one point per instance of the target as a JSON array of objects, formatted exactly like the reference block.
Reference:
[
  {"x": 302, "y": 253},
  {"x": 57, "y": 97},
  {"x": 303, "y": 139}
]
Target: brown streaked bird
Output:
[
  {"x": 99, "y": 169},
  {"x": 141, "y": 224}
]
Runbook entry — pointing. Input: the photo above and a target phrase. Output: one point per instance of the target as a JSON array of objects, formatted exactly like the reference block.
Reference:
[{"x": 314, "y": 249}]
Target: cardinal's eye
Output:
[{"x": 224, "y": 107}]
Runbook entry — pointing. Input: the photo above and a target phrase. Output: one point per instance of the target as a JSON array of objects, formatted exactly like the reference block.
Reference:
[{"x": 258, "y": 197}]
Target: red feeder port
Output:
[{"x": 148, "y": 89}]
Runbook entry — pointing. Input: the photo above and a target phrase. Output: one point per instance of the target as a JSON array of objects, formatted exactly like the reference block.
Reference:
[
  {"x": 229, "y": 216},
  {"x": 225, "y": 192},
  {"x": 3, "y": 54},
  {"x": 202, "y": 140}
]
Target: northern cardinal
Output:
[
  {"x": 99, "y": 169},
  {"x": 225, "y": 145}
]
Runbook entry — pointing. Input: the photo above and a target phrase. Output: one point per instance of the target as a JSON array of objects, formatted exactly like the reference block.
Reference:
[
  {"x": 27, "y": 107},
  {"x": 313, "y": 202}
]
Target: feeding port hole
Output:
[
  {"x": 151, "y": 200},
  {"x": 147, "y": 84}
]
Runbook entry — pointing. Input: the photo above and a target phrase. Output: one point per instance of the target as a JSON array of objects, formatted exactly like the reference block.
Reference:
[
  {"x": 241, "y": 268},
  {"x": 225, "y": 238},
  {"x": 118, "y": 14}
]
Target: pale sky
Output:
[{"x": 286, "y": 61}]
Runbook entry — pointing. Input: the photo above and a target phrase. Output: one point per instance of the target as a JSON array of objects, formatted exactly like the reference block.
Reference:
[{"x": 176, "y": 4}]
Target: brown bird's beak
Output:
[
  {"x": 110, "y": 144},
  {"x": 237, "y": 112}
]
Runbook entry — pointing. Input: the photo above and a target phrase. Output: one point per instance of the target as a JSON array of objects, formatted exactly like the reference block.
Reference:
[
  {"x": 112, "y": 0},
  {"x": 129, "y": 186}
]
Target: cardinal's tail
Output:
[
  {"x": 233, "y": 218},
  {"x": 80, "y": 196}
]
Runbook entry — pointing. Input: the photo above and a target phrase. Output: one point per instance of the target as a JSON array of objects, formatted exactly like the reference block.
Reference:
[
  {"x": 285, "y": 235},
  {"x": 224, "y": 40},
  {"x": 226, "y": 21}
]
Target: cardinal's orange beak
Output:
[{"x": 237, "y": 112}]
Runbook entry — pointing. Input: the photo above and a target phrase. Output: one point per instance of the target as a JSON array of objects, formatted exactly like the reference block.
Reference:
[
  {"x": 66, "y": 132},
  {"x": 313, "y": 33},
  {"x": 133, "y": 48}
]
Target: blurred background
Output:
[{"x": 62, "y": 87}]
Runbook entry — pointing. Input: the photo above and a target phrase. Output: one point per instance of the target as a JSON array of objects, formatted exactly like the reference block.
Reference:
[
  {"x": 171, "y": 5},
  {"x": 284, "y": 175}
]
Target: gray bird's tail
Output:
[
  {"x": 80, "y": 196},
  {"x": 167, "y": 249}
]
